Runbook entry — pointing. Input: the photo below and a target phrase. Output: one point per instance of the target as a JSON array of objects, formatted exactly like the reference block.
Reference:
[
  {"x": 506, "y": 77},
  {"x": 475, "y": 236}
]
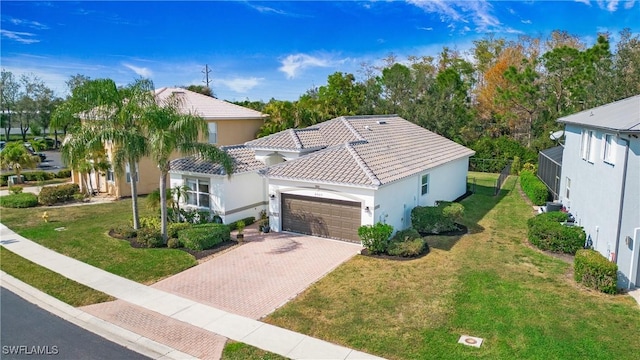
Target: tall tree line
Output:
[{"x": 513, "y": 89}]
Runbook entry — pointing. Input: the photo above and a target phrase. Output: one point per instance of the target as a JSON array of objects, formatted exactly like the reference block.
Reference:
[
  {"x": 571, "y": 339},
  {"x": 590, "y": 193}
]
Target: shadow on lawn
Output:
[{"x": 476, "y": 206}]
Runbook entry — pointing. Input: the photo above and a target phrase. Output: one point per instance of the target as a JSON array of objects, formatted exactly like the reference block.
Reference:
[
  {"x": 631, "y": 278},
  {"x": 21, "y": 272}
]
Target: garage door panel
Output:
[{"x": 321, "y": 217}]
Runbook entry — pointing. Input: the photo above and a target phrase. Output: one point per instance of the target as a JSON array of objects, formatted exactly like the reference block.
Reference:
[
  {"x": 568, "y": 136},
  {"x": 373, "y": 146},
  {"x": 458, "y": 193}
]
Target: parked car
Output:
[
  {"x": 51, "y": 143},
  {"x": 42, "y": 156}
]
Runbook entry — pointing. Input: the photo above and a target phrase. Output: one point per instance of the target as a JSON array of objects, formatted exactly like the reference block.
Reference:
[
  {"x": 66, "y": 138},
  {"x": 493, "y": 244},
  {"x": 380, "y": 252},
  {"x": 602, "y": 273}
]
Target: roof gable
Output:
[
  {"x": 207, "y": 107},
  {"x": 244, "y": 160},
  {"x": 620, "y": 116}
]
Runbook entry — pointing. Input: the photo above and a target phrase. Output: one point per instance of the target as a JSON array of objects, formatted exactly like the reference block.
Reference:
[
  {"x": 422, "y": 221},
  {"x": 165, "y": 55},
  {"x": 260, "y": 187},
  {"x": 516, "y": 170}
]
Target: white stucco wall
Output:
[
  {"x": 278, "y": 187},
  {"x": 243, "y": 195},
  {"x": 394, "y": 201},
  {"x": 595, "y": 194}
]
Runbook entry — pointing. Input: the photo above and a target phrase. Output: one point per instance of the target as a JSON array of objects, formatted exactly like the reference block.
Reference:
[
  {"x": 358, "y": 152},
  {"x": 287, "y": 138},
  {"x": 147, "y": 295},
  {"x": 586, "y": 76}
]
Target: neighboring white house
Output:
[
  {"x": 600, "y": 182},
  {"x": 331, "y": 178}
]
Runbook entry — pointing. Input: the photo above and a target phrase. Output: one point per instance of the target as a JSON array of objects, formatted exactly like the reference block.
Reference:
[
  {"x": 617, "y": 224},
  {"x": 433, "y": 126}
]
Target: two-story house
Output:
[
  {"x": 600, "y": 182},
  {"x": 227, "y": 124}
]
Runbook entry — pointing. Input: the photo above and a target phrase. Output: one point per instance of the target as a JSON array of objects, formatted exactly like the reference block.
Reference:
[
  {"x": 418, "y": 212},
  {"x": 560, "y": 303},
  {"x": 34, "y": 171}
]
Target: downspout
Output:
[{"x": 624, "y": 182}]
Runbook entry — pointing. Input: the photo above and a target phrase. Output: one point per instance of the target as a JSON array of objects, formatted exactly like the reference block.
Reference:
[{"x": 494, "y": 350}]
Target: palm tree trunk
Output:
[
  {"x": 163, "y": 204},
  {"x": 133, "y": 171}
]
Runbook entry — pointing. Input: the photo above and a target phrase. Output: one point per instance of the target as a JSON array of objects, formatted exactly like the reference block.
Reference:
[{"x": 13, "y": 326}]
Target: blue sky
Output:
[{"x": 267, "y": 49}]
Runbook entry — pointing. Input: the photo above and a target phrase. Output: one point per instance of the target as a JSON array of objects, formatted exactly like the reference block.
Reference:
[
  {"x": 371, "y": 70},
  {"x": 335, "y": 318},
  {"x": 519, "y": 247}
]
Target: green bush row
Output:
[
  {"x": 36, "y": 175},
  {"x": 50, "y": 195},
  {"x": 437, "y": 219},
  {"x": 21, "y": 200},
  {"x": 546, "y": 232},
  {"x": 204, "y": 236},
  {"x": 594, "y": 271},
  {"x": 533, "y": 187}
]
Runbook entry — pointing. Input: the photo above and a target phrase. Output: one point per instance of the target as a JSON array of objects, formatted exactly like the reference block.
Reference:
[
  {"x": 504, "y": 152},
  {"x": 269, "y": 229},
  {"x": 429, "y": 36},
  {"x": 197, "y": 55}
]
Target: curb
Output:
[{"x": 111, "y": 332}]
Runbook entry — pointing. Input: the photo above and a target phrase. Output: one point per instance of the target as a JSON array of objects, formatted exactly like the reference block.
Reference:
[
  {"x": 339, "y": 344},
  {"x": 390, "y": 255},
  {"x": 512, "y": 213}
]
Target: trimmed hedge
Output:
[
  {"x": 21, "y": 200},
  {"x": 50, "y": 195},
  {"x": 63, "y": 174},
  {"x": 247, "y": 221},
  {"x": 149, "y": 237},
  {"x": 535, "y": 189},
  {"x": 204, "y": 236},
  {"x": 547, "y": 233},
  {"x": 437, "y": 219},
  {"x": 594, "y": 271}
]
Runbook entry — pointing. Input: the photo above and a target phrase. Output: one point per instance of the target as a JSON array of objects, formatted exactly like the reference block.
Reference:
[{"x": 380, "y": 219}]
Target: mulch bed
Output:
[
  {"x": 459, "y": 231},
  {"x": 199, "y": 255}
]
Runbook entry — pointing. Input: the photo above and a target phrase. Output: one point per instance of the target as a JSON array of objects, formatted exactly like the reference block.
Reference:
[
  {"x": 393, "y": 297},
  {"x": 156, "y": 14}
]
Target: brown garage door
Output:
[{"x": 330, "y": 218}]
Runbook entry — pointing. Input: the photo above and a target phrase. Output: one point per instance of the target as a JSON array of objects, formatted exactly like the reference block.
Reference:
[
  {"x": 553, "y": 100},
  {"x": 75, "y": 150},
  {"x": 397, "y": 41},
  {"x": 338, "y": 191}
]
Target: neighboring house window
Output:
[
  {"x": 568, "y": 189},
  {"x": 424, "y": 184},
  {"x": 110, "y": 176},
  {"x": 609, "y": 148},
  {"x": 128, "y": 173},
  {"x": 213, "y": 133},
  {"x": 198, "y": 193},
  {"x": 586, "y": 147}
]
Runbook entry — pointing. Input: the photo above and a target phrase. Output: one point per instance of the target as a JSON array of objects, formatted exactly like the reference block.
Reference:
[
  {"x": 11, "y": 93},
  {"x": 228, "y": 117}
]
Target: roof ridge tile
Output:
[
  {"x": 351, "y": 128},
  {"x": 374, "y": 179},
  {"x": 295, "y": 138}
]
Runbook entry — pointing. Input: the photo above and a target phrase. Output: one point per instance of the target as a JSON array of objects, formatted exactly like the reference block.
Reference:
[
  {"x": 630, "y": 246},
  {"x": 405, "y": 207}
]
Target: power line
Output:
[{"x": 206, "y": 72}]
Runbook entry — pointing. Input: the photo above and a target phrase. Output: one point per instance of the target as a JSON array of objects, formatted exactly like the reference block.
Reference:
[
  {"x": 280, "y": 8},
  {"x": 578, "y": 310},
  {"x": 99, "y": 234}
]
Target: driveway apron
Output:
[{"x": 261, "y": 275}]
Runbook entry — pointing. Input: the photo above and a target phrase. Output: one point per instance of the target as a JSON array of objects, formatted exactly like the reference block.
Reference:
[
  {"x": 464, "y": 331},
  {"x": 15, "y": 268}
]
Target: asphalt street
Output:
[{"x": 29, "y": 332}]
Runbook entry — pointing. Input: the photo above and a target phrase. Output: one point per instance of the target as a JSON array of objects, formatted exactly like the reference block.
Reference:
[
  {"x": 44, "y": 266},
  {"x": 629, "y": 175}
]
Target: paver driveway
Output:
[{"x": 256, "y": 278}]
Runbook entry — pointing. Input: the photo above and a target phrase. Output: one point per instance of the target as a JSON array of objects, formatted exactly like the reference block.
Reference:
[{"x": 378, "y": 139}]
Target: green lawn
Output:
[
  {"x": 47, "y": 281},
  {"x": 239, "y": 351},
  {"x": 488, "y": 284},
  {"x": 85, "y": 237}
]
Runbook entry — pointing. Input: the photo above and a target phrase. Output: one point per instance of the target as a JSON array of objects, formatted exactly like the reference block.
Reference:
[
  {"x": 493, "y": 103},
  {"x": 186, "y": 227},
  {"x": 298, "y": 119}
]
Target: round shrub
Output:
[
  {"x": 149, "y": 237},
  {"x": 124, "y": 232},
  {"x": 50, "y": 195},
  {"x": 375, "y": 237},
  {"x": 408, "y": 248},
  {"x": 406, "y": 235},
  {"x": 63, "y": 174},
  {"x": 21, "y": 200}
]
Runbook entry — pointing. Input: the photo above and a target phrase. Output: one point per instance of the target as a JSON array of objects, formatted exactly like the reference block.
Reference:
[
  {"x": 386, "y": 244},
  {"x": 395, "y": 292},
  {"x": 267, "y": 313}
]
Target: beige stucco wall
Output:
[{"x": 230, "y": 132}]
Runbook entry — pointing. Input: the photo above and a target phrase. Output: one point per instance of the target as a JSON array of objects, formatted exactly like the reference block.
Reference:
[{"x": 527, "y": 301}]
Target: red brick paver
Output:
[
  {"x": 256, "y": 278},
  {"x": 192, "y": 340}
]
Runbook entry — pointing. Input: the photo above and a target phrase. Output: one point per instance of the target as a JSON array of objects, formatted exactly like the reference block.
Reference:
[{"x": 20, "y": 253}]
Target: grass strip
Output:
[{"x": 47, "y": 281}]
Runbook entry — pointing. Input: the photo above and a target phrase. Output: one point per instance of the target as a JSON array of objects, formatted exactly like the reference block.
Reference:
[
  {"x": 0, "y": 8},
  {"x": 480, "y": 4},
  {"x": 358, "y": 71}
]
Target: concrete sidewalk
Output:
[{"x": 264, "y": 336}]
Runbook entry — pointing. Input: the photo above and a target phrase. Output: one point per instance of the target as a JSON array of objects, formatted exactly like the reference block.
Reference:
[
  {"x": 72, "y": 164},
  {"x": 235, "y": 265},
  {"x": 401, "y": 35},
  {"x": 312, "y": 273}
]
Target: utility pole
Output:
[{"x": 206, "y": 72}]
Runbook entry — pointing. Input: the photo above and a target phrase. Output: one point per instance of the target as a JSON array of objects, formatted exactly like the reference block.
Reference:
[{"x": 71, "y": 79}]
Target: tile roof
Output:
[
  {"x": 244, "y": 159},
  {"x": 207, "y": 106},
  {"x": 364, "y": 150},
  {"x": 622, "y": 115}
]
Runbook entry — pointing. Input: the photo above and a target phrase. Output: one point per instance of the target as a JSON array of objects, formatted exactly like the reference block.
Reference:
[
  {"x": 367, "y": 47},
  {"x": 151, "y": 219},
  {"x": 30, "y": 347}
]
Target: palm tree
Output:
[
  {"x": 170, "y": 130},
  {"x": 16, "y": 157},
  {"x": 112, "y": 115}
]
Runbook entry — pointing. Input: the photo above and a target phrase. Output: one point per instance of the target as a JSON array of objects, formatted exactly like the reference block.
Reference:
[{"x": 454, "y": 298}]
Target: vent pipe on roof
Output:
[{"x": 381, "y": 122}]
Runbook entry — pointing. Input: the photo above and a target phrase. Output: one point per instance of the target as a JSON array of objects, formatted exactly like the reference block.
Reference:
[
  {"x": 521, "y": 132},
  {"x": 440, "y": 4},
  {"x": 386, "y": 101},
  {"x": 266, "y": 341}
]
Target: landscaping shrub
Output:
[
  {"x": 22, "y": 200},
  {"x": 173, "y": 243},
  {"x": 152, "y": 222},
  {"x": 247, "y": 221},
  {"x": 547, "y": 233},
  {"x": 124, "y": 232},
  {"x": 50, "y": 195},
  {"x": 535, "y": 189},
  {"x": 63, "y": 174},
  {"x": 406, "y": 235},
  {"x": 15, "y": 189},
  {"x": 437, "y": 219},
  {"x": 174, "y": 228},
  {"x": 38, "y": 175},
  {"x": 594, "y": 271},
  {"x": 149, "y": 237},
  {"x": 205, "y": 236},
  {"x": 407, "y": 248},
  {"x": 375, "y": 237}
]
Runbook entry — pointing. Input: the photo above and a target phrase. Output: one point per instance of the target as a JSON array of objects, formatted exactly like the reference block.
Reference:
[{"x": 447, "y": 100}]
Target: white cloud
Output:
[
  {"x": 586, "y": 2},
  {"x": 629, "y": 4},
  {"x": 142, "y": 71},
  {"x": 425, "y": 28},
  {"x": 241, "y": 85},
  {"x": 480, "y": 13},
  {"x": 293, "y": 64},
  {"x": 28, "y": 23},
  {"x": 526, "y": 21},
  {"x": 612, "y": 5},
  {"x": 21, "y": 37}
]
